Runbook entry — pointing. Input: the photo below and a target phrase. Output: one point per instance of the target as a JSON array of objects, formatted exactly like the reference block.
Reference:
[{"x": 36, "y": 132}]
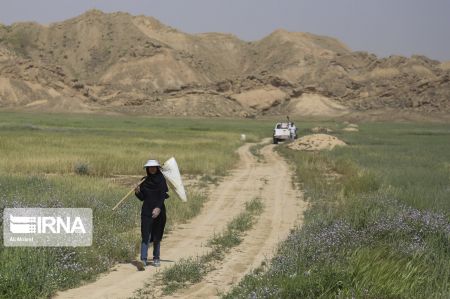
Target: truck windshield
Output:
[{"x": 282, "y": 126}]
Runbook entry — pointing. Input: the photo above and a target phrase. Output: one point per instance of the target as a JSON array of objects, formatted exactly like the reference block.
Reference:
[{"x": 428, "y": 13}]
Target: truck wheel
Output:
[{"x": 275, "y": 141}]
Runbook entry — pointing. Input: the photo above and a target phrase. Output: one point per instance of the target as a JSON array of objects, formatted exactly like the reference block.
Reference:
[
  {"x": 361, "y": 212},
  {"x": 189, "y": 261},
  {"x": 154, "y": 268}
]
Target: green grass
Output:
[
  {"x": 118, "y": 145},
  {"x": 256, "y": 151},
  {"x": 412, "y": 158},
  {"x": 36, "y": 272},
  {"x": 379, "y": 222},
  {"x": 54, "y": 160}
]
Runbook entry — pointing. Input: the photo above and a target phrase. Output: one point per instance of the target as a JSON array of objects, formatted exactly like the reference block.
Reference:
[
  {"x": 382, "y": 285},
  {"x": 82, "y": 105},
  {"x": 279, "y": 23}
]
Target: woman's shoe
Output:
[
  {"x": 156, "y": 262},
  {"x": 141, "y": 265}
]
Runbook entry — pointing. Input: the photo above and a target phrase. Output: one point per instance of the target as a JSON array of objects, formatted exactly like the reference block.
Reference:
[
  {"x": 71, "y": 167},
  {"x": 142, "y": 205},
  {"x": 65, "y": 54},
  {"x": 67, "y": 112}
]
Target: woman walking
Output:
[{"x": 153, "y": 192}]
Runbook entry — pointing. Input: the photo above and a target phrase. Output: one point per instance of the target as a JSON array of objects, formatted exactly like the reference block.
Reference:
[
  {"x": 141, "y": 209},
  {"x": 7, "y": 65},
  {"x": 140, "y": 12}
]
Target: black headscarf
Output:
[{"x": 155, "y": 181}]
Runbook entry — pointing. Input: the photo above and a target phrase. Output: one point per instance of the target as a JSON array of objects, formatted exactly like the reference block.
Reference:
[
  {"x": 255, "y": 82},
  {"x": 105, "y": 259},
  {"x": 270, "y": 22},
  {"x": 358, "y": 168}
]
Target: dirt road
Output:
[{"x": 269, "y": 180}]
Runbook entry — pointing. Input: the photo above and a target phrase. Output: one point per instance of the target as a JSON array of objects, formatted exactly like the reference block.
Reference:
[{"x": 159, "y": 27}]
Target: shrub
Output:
[{"x": 81, "y": 168}]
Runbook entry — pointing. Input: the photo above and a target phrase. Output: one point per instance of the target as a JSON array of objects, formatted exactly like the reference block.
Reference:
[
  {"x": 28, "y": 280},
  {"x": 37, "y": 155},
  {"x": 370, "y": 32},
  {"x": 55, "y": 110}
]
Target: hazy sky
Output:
[{"x": 382, "y": 27}]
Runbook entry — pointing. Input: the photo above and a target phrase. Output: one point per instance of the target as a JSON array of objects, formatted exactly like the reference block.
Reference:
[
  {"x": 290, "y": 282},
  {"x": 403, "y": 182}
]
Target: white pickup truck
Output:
[{"x": 281, "y": 132}]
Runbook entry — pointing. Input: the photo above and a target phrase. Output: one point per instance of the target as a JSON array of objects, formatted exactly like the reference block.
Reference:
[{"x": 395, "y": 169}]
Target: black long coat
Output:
[{"x": 153, "y": 192}]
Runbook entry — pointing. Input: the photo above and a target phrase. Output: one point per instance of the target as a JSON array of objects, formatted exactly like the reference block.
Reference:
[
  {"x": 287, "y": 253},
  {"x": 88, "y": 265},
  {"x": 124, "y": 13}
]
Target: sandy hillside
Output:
[{"x": 124, "y": 63}]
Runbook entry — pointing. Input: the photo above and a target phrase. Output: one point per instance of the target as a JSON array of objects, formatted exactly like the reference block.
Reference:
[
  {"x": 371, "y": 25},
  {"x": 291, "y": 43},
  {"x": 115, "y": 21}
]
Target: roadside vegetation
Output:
[
  {"x": 192, "y": 270},
  {"x": 379, "y": 222},
  {"x": 50, "y": 160},
  {"x": 256, "y": 151}
]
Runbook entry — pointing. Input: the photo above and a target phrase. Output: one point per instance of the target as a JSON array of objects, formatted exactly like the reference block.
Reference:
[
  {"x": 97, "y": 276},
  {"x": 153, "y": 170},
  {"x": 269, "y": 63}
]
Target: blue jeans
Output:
[{"x": 156, "y": 250}]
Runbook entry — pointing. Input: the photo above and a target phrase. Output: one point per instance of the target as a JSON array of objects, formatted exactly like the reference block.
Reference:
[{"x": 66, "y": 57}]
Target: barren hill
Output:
[{"x": 119, "y": 62}]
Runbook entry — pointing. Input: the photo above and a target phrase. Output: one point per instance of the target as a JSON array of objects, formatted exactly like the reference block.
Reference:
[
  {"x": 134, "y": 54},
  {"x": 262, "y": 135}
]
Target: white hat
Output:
[{"x": 152, "y": 163}]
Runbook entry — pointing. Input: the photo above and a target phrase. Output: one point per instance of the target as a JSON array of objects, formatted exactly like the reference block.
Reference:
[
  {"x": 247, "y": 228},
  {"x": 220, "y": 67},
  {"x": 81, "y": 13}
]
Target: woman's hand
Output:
[
  {"x": 155, "y": 212},
  {"x": 137, "y": 189}
]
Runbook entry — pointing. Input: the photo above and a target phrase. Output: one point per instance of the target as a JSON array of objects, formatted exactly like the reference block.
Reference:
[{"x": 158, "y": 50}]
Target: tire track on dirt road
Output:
[
  {"x": 225, "y": 202},
  {"x": 283, "y": 208}
]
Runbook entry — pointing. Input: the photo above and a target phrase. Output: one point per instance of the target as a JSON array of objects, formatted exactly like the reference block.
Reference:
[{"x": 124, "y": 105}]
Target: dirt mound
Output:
[
  {"x": 316, "y": 130},
  {"x": 123, "y": 63},
  {"x": 316, "y": 142},
  {"x": 350, "y": 129}
]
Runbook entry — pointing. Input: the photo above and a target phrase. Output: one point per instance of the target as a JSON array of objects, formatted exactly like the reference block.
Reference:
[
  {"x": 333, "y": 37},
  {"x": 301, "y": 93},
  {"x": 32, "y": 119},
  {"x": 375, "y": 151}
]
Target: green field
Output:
[
  {"x": 109, "y": 145},
  {"x": 379, "y": 222},
  {"x": 54, "y": 160}
]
